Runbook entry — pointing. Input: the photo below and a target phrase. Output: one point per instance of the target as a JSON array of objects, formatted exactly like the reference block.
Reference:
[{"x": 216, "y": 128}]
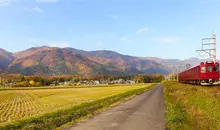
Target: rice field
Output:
[{"x": 19, "y": 104}]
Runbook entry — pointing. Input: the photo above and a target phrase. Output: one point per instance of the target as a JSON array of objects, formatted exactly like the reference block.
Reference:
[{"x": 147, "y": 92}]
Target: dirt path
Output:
[{"x": 143, "y": 112}]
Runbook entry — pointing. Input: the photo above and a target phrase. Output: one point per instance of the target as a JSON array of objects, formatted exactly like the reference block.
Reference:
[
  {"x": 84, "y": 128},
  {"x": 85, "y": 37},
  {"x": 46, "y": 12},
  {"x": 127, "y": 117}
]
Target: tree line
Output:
[{"x": 18, "y": 80}]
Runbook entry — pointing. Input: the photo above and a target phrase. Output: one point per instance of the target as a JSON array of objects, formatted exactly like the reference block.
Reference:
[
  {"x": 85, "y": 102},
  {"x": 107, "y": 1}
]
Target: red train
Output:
[{"x": 206, "y": 72}]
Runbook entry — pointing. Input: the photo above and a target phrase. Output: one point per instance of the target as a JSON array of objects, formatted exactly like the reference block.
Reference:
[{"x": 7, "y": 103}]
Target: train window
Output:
[
  {"x": 209, "y": 68},
  {"x": 216, "y": 68},
  {"x": 203, "y": 69}
]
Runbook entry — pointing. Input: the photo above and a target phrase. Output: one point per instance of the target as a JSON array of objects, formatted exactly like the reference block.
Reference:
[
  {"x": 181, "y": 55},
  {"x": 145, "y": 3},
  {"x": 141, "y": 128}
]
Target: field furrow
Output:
[{"x": 6, "y": 109}]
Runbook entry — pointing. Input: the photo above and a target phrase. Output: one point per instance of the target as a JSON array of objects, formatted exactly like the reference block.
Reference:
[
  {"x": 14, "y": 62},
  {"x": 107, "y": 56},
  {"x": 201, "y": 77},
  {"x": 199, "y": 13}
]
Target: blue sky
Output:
[{"x": 159, "y": 28}]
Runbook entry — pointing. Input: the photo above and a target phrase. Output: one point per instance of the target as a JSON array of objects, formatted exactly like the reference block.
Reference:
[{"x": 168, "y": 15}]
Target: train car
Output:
[{"x": 206, "y": 72}]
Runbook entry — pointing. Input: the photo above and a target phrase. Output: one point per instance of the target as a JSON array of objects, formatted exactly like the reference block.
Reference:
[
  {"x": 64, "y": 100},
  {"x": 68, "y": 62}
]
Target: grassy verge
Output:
[
  {"x": 191, "y": 107},
  {"x": 57, "y": 119}
]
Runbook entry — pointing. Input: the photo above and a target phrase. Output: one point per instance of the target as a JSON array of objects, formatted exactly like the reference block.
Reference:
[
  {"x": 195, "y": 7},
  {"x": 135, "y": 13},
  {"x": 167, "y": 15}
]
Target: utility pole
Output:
[
  {"x": 173, "y": 74},
  {"x": 184, "y": 66},
  {"x": 177, "y": 73},
  {"x": 209, "y": 47}
]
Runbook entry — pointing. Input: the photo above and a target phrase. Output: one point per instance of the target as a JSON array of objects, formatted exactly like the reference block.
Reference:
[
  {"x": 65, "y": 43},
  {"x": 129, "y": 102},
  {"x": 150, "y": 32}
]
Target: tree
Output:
[
  {"x": 75, "y": 80},
  {"x": 20, "y": 78},
  {"x": 2, "y": 82},
  {"x": 78, "y": 84},
  {"x": 32, "y": 83},
  {"x": 38, "y": 84},
  {"x": 22, "y": 84}
]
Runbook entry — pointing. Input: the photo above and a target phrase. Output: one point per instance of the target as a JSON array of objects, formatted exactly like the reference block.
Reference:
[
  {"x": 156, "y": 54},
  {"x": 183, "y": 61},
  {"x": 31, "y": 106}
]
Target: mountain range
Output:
[{"x": 55, "y": 61}]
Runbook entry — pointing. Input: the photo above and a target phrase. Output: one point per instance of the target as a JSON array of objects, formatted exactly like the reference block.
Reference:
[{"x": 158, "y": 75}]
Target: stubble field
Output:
[{"x": 19, "y": 104}]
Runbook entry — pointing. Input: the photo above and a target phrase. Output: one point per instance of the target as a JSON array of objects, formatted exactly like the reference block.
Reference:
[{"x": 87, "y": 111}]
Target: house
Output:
[
  {"x": 130, "y": 82},
  {"x": 61, "y": 84},
  {"x": 52, "y": 84},
  {"x": 96, "y": 82},
  {"x": 104, "y": 82},
  {"x": 9, "y": 85},
  {"x": 120, "y": 81},
  {"x": 68, "y": 83},
  {"x": 85, "y": 82}
]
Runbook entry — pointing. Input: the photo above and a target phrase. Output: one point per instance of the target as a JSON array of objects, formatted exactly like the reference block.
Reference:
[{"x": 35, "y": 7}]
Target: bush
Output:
[
  {"x": 38, "y": 84},
  {"x": 22, "y": 84}
]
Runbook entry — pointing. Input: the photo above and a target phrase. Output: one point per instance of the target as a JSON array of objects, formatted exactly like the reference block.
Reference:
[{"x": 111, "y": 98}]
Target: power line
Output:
[{"x": 209, "y": 47}]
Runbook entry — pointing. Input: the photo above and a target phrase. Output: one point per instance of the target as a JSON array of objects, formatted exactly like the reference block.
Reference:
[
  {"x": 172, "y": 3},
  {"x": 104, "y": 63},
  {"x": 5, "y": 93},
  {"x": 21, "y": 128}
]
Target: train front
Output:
[{"x": 209, "y": 72}]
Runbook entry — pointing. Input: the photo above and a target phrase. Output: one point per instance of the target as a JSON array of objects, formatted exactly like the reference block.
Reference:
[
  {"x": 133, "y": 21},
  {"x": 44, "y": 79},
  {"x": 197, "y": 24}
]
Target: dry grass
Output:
[{"x": 192, "y": 107}]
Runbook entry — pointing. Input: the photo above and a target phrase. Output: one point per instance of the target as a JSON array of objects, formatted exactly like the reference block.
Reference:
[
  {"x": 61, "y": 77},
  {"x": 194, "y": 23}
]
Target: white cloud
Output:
[
  {"x": 142, "y": 30},
  {"x": 4, "y": 2},
  {"x": 35, "y": 9},
  {"x": 169, "y": 39},
  {"x": 46, "y": 1},
  {"x": 126, "y": 39},
  {"x": 13, "y": 2},
  {"x": 9, "y": 2},
  {"x": 59, "y": 44}
]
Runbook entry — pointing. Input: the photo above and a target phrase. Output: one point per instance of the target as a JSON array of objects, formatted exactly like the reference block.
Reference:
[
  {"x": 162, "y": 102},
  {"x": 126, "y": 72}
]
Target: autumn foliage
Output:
[{"x": 17, "y": 80}]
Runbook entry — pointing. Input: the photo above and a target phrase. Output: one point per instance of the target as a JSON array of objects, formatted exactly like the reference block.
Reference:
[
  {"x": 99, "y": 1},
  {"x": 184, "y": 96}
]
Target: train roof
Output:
[
  {"x": 209, "y": 62},
  {"x": 201, "y": 63}
]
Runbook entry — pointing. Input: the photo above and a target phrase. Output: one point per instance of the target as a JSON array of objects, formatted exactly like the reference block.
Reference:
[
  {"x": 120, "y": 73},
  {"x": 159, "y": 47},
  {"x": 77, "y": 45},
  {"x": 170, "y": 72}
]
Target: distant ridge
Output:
[{"x": 53, "y": 60}]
